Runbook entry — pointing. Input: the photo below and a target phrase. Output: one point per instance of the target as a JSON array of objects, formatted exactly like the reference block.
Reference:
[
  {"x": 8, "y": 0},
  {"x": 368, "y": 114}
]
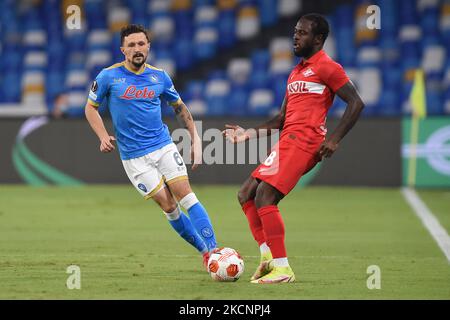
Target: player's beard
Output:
[
  {"x": 139, "y": 61},
  {"x": 303, "y": 52}
]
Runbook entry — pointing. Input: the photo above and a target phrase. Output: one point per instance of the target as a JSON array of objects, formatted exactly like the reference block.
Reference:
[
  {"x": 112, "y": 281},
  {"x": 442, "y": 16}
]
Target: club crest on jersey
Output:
[
  {"x": 308, "y": 73},
  {"x": 132, "y": 93},
  {"x": 154, "y": 78},
  {"x": 142, "y": 187}
]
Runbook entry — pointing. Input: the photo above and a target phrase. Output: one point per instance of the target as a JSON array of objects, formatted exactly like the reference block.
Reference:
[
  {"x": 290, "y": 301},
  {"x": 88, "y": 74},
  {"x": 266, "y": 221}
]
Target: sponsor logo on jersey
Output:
[
  {"x": 305, "y": 87},
  {"x": 119, "y": 80},
  {"x": 132, "y": 93}
]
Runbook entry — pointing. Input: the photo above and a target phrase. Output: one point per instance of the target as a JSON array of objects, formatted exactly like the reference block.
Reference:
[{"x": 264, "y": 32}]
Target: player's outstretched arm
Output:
[
  {"x": 185, "y": 120},
  {"x": 235, "y": 134},
  {"x": 96, "y": 123},
  {"x": 354, "y": 107}
]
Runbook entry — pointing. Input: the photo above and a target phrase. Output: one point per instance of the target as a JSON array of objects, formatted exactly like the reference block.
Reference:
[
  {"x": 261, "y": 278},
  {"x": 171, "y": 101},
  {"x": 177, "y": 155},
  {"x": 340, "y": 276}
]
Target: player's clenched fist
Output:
[
  {"x": 327, "y": 149},
  {"x": 106, "y": 144},
  {"x": 235, "y": 133}
]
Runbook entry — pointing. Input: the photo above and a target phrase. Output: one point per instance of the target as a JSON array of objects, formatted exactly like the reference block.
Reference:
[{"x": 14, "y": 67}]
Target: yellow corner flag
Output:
[
  {"x": 418, "y": 101},
  {"x": 418, "y": 98}
]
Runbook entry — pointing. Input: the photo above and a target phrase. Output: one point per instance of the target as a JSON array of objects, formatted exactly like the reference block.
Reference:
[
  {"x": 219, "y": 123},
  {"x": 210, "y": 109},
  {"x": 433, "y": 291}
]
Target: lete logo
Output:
[
  {"x": 131, "y": 93},
  {"x": 436, "y": 150}
]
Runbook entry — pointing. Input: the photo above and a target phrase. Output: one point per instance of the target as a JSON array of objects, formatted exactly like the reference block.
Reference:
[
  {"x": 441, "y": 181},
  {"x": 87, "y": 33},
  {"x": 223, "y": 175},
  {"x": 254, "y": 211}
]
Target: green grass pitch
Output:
[{"x": 126, "y": 249}]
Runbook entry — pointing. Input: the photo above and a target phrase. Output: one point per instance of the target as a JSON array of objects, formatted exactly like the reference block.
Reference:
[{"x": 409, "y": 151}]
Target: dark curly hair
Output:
[
  {"x": 132, "y": 28},
  {"x": 319, "y": 24}
]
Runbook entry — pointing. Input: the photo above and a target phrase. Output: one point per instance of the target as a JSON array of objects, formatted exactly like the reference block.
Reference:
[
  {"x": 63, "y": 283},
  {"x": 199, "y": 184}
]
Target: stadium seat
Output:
[
  {"x": 238, "y": 101},
  {"x": 259, "y": 79},
  {"x": 95, "y": 14},
  {"x": 97, "y": 60},
  {"x": 227, "y": 28},
  {"x": 368, "y": 56},
  {"x": 205, "y": 43},
  {"x": 433, "y": 59},
  {"x": 206, "y": 17},
  {"x": 118, "y": 17},
  {"x": 33, "y": 88},
  {"x": 11, "y": 87},
  {"x": 330, "y": 46},
  {"x": 278, "y": 86},
  {"x": 158, "y": 8},
  {"x": 261, "y": 102},
  {"x": 238, "y": 70},
  {"x": 260, "y": 59},
  {"x": 35, "y": 61},
  {"x": 287, "y": 8},
  {"x": 163, "y": 29},
  {"x": 369, "y": 83},
  {"x": 414, "y": 33},
  {"x": 54, "y": 84},
  {"x": 197, "y": 107},
  {"x": 34, "y": 40},
  {"x": 194, "y": 90},
  {"x": 247, "y": 22},
  {"x": 77, "y": 79},
  {"x": 217, "y": 92},
  {"x": 99, "y": 39},
  {"x": 268, "y": 12}
]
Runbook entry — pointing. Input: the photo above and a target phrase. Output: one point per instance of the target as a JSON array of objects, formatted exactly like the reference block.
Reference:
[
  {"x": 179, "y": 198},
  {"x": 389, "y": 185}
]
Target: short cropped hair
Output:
[
  {"x": 132, "y": 28},
  {"x": 319, "y": 24}
]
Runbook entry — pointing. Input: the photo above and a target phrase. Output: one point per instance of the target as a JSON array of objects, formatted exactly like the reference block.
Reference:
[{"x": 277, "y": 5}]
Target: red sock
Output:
[
  {"x": 273, "y": 226},
  {"x": 254, "y": 222}
]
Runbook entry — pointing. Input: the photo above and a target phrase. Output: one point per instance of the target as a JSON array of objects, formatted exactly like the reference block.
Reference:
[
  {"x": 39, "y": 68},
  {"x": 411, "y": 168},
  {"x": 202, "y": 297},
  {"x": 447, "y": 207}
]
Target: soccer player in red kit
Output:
[{"x": 310, "y": 91}]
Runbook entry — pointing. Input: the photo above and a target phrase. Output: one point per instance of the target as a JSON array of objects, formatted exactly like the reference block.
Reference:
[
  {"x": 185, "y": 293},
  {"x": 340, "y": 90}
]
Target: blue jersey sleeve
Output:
[
  {"x": 169, "y": 93},
  {"x": 99, "y": 89}
]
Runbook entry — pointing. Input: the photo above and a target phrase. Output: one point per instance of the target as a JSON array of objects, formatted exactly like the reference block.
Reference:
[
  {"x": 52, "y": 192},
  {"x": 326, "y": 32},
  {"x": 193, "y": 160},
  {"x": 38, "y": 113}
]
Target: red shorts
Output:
[{"x": 285, "y": 165}]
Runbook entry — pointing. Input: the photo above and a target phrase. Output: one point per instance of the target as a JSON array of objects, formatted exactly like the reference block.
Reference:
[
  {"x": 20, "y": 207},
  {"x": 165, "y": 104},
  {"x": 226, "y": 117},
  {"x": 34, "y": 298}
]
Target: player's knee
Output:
[
  {"x": 247, "y": 191},
  {"x": 167, "y": 205},
  {"x": 265, "y": 197},
  {"x": 242, "y": 196}
]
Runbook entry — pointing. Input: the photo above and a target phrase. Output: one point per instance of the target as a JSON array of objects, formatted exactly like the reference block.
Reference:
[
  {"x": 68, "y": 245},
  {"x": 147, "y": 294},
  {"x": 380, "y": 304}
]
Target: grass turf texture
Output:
[{"x": 127, "y": 250}]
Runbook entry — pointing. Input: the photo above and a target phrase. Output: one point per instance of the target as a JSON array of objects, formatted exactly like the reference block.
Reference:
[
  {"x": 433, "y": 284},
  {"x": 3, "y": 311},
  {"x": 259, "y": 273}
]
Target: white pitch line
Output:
[{"x": 429, "y": 220}]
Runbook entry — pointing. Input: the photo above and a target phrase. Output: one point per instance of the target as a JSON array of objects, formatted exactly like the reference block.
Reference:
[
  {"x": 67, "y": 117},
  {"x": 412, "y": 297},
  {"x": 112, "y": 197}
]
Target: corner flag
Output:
[
  {"x": 418, "y": 101},
  {"x": 417, "y": 97}
]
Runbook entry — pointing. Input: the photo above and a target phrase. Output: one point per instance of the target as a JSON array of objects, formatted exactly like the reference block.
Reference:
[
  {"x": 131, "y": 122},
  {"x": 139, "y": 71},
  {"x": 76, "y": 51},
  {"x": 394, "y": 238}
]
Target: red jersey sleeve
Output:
[{"x": 333, "y": 75}]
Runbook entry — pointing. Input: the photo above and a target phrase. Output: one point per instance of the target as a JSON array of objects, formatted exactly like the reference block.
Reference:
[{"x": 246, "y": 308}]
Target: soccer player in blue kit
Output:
[{"x": 151, "y": 160}]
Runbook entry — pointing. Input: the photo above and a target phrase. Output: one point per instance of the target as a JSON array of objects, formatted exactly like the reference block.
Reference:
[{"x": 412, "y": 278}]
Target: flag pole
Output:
[
  {"x": 413, "y": 138},
  {"x": 418, "y": 104}
]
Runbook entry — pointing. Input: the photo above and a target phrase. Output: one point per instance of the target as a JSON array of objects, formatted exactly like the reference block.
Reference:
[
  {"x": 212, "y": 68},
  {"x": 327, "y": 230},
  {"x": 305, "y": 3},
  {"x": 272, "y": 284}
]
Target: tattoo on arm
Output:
[{"x": 183, "y": 115}]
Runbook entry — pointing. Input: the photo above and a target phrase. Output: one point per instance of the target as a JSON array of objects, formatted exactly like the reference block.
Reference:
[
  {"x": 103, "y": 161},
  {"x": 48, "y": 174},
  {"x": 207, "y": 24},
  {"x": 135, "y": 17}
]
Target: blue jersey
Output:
[{"x": 134, "y": 101}]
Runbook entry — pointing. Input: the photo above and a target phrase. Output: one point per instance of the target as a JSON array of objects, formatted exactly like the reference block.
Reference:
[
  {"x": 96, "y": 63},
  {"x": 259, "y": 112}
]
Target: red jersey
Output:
[{"x": 310, "y": 92}]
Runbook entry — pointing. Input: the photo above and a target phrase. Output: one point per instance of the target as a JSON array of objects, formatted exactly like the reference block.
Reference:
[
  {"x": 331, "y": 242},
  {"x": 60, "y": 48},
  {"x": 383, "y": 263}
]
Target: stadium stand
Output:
[{"x": 227, "y": 57}]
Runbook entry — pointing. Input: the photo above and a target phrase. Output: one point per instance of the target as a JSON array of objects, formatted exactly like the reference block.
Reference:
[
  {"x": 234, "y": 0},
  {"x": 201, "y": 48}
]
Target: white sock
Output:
[
  {"x": 264, "y": 248},
  {"x": 188, "y": 201},
  {"x": 174, "y": 215},
  {"x": 280, "y": 262}
]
